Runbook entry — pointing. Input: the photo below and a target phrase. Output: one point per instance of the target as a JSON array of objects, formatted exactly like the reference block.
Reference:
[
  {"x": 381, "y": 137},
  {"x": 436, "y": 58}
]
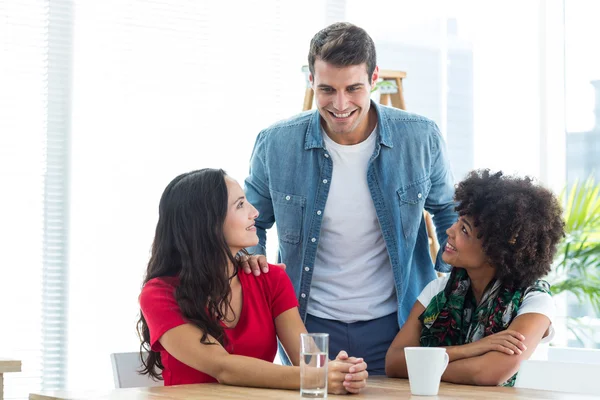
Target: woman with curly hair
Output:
[
  {"x": 492, "y": 310},
  {"x": 203, "y": 321}
]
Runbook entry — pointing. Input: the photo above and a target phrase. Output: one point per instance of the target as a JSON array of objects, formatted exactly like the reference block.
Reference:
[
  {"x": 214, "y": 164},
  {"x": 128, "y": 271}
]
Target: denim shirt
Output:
[{"x": 290, "y": 174}]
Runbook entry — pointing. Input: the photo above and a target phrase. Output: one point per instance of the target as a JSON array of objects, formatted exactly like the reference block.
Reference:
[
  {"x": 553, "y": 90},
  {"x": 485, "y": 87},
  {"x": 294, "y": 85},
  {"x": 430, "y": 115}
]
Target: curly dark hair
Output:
[{"x": 520, "y": 223}]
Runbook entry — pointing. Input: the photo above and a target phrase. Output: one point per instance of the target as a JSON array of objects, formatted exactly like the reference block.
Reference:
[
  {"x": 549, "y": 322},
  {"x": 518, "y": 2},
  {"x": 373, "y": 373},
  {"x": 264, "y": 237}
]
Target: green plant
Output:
[
  {"x": 383, "y": 84},
  {"x": 577, "y": 262}
]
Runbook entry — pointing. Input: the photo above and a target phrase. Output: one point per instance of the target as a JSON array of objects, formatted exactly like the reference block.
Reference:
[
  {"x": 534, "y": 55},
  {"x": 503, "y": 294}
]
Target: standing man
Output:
[{"x": 346, "y": 185}]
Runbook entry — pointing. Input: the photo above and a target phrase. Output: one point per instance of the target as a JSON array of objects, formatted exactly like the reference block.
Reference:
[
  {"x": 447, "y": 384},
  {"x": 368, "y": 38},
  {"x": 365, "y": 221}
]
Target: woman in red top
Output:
[{"x": 201, "y": 320}]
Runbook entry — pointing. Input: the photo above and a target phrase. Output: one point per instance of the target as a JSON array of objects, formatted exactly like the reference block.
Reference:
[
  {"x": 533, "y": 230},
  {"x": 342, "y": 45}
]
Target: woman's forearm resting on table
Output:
[
  {"x": 247, "y": 371},
  {"x": 395, "y": 361},
  {"x": 489, "y": 361},
  {"x": 183, "y": 343},
  {"x": 460, "y": 352},
  {"x": 495, "y": 367},
  {"x": 490, "y": 369}
]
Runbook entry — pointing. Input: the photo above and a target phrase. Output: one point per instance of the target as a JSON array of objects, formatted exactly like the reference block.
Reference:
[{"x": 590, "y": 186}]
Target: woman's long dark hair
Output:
[{"x": 189, "y": 243}]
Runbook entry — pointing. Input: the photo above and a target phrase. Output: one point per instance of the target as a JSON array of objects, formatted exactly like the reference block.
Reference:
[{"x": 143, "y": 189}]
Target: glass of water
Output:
[{"x": 314, "y": 354}]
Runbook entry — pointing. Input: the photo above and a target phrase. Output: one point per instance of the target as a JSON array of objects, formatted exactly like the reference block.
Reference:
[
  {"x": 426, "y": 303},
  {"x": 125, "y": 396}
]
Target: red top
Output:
[{"x": 263, "y": 299}]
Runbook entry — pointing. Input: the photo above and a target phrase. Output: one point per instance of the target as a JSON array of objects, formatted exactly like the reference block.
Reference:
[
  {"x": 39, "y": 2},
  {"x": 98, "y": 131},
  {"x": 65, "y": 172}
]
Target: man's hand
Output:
[
  {"x": 254, "y": 264},
  {"x": 346, "y": 374},
  {"x": 434, "y": 244}
]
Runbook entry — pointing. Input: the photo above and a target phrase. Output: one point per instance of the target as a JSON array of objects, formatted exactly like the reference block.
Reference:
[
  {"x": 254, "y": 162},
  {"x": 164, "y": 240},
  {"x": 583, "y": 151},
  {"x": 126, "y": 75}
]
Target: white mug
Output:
[{"x": 425, "y": 368}]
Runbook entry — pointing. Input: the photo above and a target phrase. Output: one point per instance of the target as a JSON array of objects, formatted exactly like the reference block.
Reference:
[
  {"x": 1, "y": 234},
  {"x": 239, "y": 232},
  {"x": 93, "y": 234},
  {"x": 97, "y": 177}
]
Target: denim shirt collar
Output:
[{"x": 314, "y": 139}]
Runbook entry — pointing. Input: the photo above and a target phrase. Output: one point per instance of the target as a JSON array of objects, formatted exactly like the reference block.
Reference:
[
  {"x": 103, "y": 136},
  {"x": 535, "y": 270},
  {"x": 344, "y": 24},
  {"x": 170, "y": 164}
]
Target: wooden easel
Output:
[{"x": 395, "y": 96}]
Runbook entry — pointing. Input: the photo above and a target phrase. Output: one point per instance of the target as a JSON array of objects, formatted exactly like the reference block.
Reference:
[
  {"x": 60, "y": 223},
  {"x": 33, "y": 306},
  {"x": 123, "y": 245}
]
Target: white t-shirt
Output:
[
  {"x": 533, "y": 302},
  {"x": 352, "y": 277}
]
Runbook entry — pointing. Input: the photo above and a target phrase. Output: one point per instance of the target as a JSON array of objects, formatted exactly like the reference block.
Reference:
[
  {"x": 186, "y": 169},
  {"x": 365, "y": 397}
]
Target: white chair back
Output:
[
  {"x": 574, "y": 354},
  {"x": 559, "y": 376},
  {"x": 125, "y": 371}
]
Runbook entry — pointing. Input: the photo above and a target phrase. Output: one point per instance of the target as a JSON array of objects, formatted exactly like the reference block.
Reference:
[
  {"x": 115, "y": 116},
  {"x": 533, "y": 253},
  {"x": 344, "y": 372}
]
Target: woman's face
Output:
[
  {"x": 239, "y": 229},
  {"x": 464, "y": 248}
]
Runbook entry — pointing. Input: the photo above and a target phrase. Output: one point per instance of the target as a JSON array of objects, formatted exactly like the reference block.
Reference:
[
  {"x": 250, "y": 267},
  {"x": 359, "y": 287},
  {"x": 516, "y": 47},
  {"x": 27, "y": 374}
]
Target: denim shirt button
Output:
[
  {"x": 303, "y": 295},
  {"x": 324, "y": 180},
  {"x": 319, "y": 212},
  {"x": 313, "y": 240},
  {"x": 326, "y": 155},
  {"x": 306, "y": 269},
  {"x": 287, "y": 198},
  {"x": 419, "y": 195}
]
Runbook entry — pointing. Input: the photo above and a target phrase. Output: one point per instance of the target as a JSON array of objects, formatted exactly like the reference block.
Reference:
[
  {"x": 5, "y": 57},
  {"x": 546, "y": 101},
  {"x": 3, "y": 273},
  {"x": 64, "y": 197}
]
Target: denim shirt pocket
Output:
[
  {"x": 412, "y": 201},
  {"x": 289, "y": 212}
]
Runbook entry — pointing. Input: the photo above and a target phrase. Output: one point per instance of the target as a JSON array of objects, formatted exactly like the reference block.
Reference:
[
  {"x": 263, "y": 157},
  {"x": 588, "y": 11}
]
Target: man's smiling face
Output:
[{"x": 343, "y": 97}]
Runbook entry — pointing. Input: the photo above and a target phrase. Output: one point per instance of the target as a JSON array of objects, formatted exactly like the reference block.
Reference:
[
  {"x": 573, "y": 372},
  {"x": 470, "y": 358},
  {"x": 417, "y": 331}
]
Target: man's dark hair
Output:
[
  {"x": 520, "y": 223},
  {"x": 343, "y": 44}
]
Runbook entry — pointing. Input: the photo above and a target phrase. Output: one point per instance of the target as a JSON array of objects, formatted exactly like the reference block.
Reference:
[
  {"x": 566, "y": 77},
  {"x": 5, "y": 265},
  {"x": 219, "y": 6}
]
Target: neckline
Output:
[
  {"x": 350, "y": 147},
  {"x": 241, "y": 318}
]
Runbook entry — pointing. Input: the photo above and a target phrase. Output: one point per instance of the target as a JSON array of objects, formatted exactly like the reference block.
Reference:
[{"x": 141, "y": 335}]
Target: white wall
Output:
[{"x": 160, "y": 91}]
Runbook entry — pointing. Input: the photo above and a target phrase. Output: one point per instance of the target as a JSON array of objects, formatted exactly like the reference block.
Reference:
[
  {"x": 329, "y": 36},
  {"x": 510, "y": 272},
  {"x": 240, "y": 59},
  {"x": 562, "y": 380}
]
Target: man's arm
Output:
[
  {"x": 440, "y": 201},
  {"x": 257, "y": 193}
]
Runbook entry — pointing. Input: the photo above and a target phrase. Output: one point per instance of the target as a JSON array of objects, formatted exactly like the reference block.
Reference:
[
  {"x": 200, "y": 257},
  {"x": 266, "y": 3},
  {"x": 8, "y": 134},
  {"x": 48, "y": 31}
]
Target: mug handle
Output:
[{"x": 446, "y": 360}]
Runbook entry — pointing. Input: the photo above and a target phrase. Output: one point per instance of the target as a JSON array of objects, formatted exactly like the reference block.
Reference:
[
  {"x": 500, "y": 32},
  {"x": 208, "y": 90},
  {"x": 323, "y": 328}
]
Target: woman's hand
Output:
[
  {"x": 508, "y": 342},
  {"x": 346, "y": 374}
]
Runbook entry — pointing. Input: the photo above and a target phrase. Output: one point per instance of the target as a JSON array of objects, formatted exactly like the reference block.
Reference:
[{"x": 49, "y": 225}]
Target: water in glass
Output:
[{"x": 313, "y": 374}]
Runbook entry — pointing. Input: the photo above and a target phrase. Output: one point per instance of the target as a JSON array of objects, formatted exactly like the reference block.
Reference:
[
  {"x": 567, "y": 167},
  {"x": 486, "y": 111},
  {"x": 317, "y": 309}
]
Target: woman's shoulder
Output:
[
  {"x": 274, "y": 287},
  {"x": 538, "y": 292},
  {"x": 433, "y": 288},
  {"x": 273, "y": 281},
  {"x": 161, "y": 283},
  {"x": 276, "y": 272},
  {"x": 537, "y": 299},
  {"x": 439, "y": 283},
  {"x": 159, "y": 287}
]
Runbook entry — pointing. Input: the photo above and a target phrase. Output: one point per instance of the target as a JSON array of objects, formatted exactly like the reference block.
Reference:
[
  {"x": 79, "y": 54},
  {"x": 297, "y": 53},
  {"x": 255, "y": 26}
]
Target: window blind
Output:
[
  {"x": 56, "y": 196},
  {"x": 34, "y": 119}
]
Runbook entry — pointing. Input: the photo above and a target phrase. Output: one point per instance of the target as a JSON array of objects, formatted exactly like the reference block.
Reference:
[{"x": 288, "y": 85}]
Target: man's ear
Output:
[{"x": 375, "y": 76}]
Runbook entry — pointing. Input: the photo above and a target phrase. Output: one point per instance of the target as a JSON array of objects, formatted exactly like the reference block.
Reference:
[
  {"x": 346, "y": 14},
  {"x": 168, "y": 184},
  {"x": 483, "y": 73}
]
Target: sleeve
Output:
[
  {"x": 432, "y": 288},
  {"x": 160, "y": 309},
  {"x": 440, "y": 200},
  {"x": 283, "y": 296},
  {"x": 256, "y": 187},
  {"x": 540, "y": 303}
]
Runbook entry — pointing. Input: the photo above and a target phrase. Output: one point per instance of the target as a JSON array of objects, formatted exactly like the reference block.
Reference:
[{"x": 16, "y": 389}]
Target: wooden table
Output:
[
  {"x": 378, "y": 388},
  {"x": 7, "y": 365}
]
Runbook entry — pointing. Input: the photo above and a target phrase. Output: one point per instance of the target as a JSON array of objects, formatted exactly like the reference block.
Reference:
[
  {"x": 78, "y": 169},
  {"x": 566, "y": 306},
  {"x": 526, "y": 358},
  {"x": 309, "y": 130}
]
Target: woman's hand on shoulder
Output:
[
  {"x": 346, "y": 374},
  {"x": 508, "y": 342}
]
